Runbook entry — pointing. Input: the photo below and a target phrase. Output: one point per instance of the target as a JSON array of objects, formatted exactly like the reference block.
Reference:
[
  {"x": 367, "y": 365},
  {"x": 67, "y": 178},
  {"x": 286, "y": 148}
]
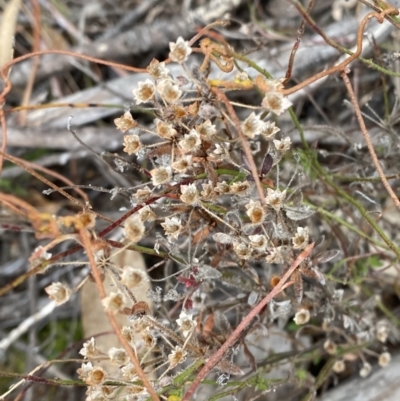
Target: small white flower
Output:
[
  {"x": 240, "y": 188},
  {"x": 115, "y": 302},
  {"x": 142, "y": 194},
  {"x": 161, "y": 175},
  {"x": 222, "y": 188},
  {"x": 180, "y": 50},
  {"x": 384, "y": 359},
  {"x": 339, "y": 366},
  {"x": 129, "y": 372},
  {"x": 89, "y": 349},
  {"x": 282, "y": 145},
  {"x": 206, "y": 129},
  {"x": 269, "y": 130},
  {"x": 275, "y": 256},
  {"x": 382, "y": 332},
  {"x": 242, "y": 250},
  {"x": 330, "y": 347},
  {"x": 190, "y": 142},
  {"x": 145, "y": 92},
  {"x": 252, "y": 126},
  {"x": 275, "y": 198},
  {"x": 276, "y": 102},
  {"x": 302, "y": 316},
  {"x": 96, "y": 376},
  {"x": 165, "y": 130},
  {"x": 134, "y": 228},
  {"x": 125, "y": 122},
  {"x": 300, "y": 240},
  {"x": 148, "y": 338},
  {"x": 132, "y": 276},
  {"x": 189, "y": 194},
  {"x": 255, "y": 212},
  {"x": 84, "y": 370},
  {"x": 157, "y": 70},
  {"x": 365, "y": 370},
  {"x": 177, "y": 356},
  {"x": 132, "y": 144},
  {"x": 258, "y": 242},
  {"x": 118, "y": 356},
  {"x": 172, "y": 227},
  {"x": 147, "y": 214},
  {"x": 186, "y": 323},
  {"x": 58, "y": 292},
  {"x": 182, "y": 164},
  {"x": 169, "y": 91}
]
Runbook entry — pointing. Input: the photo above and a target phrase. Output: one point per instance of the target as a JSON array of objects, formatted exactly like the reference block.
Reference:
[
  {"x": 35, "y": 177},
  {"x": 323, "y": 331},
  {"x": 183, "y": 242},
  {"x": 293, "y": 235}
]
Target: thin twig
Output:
[{"x": 368, "y": 139}]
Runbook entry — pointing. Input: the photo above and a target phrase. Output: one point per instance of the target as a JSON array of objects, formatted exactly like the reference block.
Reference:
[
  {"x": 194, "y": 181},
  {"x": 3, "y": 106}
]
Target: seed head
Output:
[
  {"x": 384, "y": 359},
  {"x": 186, "y": 323},
  {"x": 142, "y": 194},
  {"x": 157, "y": 70},
  {"x": 240, "y": 188},
  {"x": 242, "y": 250},
  {"x": 89, "y": 349},
  {"x": 300, "y": 240},
  {"x": 330, "y": 347},
  {"x": 96, "y": 376},
  {"x": 182, "y": 164},
  {"x": 118, "y": 356},
  {"x": 275, "y": 256},
  {"x": 148, "y": 338},
  {"x": 275, "y": 198},
  {"x": 258, "y": 242},
  {"x": 365, "y": 370},
  {"x": 132, "y": 276},
  {"x": 283, "y": 145},
  {"x": 269, "y": 130},
  {"x": 206, "y": 129},
  {"x": 115, "y": 302},
  {"x": 339, "y": 366},
  {"x": 252, "y": 126},
  {"x": 147, "y": 214}
]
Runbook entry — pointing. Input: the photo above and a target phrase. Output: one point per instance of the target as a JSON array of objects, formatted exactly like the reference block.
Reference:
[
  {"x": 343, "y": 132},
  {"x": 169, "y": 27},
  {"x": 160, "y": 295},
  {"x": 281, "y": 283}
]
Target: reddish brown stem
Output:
[{"x": 245, "y": 322}]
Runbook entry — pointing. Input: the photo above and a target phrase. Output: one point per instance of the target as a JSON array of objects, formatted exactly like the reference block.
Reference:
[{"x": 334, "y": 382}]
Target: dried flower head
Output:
[
  {"x": 208, "y": 192},
  {"x": 365, "y": 370},
  {"x": 242, "y": 250},
  {"x": 96, "y": 376},
  {"x": 384, "y": 359},
  {"x": 240, "y": 188},
  {"x": 161, "y": 175},
  {"x": 222, "y": 188},
  {"x": 148, "y": 338},
  {"x": 330, "y": 347},
  {"x": 382, "y": 332},
  {"x": 275, "y": 198},
  {"x": 275, "y": 256},
  {"x": 125, "y": 122},
  {"x": 169, "y": 91},
  {"x": 118, "y": 356},
  {"x": 189, "y": 194},
  {"x": 276, "y": 102},
  {"x": 132, "y": 276},
  {"x": 145, "y": 92},
  {"x": 143, "y": 194},
  {"x": 300, "y": 240},
  {"x": 132, "y": 144},
  {"x": 157, "y": 70},
  {"x": 269, "y": 130},
  {"x": 339, "y": 366},
  {"x": 258, "y": 242},
  {"x": 129, "y": 372},
  {"x": 147, "y": 214},
  {"x": 283, "y": 145},
  {"x": 182, "y": 164},
  {"x": 89, "y": 349},
  {"x": 172, "y": 227},
  {"x": 115, "y": 302},
  {"x": 58, "y": 292},
  {"x": 134, "y": 228},
  {"x": 252, "y": 126},
  {"x": 165, "y": 130},
  {"x": 84, "y": 370},
  {"x": 190, "y": 142},
  {"x": 206, "y": 129},
  {"x": 186, "y": 323},
  {"x": 302, "y": 316},
  {"x": 177, "y": 356},
  {"x": 180, "y": 50},
  {"x": 255, "y": 212}
]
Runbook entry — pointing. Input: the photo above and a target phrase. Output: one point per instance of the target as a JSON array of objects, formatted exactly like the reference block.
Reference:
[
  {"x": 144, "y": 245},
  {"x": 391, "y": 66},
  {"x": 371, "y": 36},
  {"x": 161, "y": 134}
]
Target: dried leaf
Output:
[
  {"x": 325, "y": 256},
  {"x": 227, "y": 366},
  {"x": 297, "y": 285},
  {"x": 208, "y": 325},
  {"x": 222, "y": 238},
  {"x": 267, "y": 164},
  {"x": 300, "y": 213}
]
